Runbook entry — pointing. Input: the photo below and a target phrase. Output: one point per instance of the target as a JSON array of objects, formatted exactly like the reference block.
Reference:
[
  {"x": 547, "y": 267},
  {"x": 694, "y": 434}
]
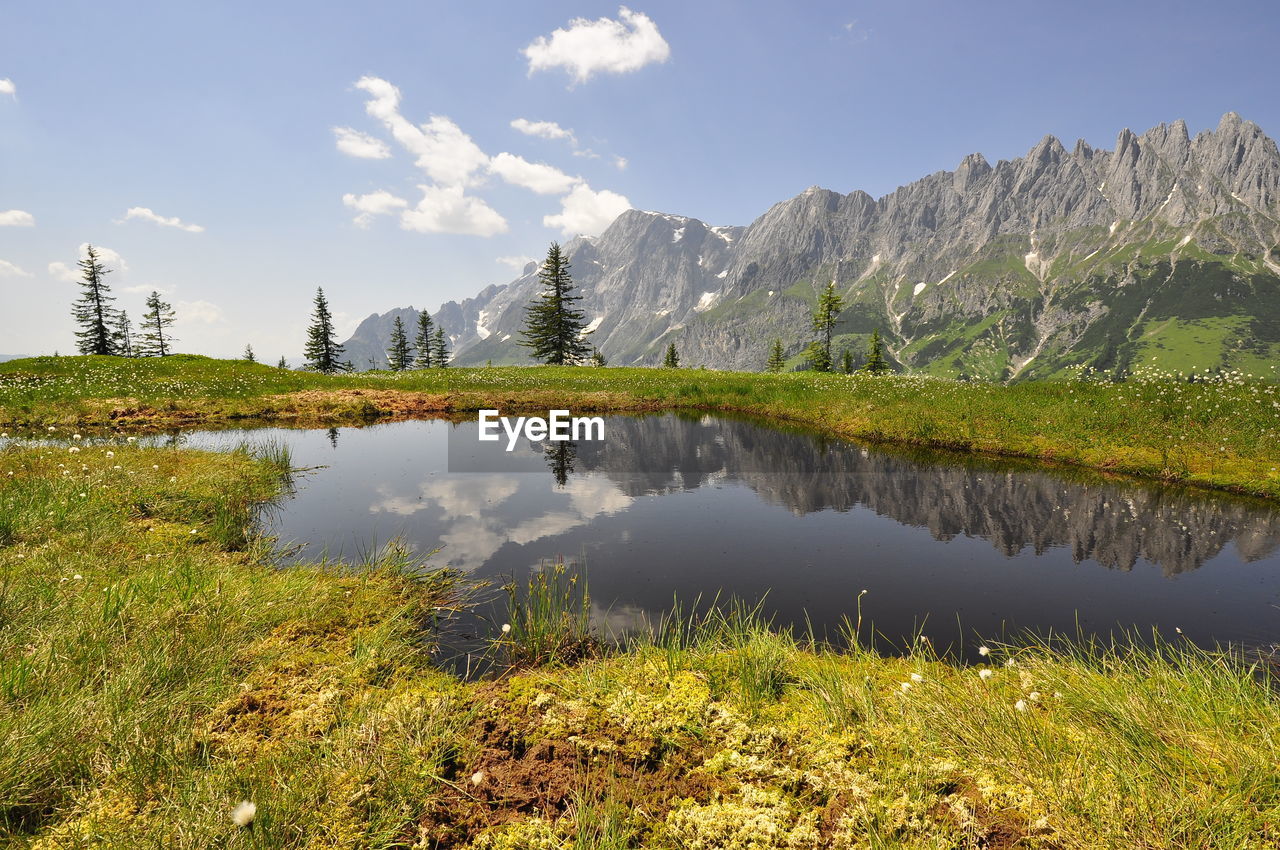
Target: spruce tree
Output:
[
  {"x": 875, "y": 356},
  {"x": 155, "y": 340},
  {"x": 824, "y": 321},
  {"x": 93, "y": 311},
  {"x": 123, "y": 336},
  {"x": 323, "y": 352},
  {"x": 282, "y": 364},
  {"x": 440, "y": 349},
  {"x": 846, "y": 361},
  {"x": 398, "y": 356},
  {"x": 554, "y": 328},
  {"x": 597, "y": 358},
  {"x": 672, "y": 360},
  {"x": 248, "y": 353},
  {"x": 777, "y": 360},
  {"x": 423, "y": 341}
]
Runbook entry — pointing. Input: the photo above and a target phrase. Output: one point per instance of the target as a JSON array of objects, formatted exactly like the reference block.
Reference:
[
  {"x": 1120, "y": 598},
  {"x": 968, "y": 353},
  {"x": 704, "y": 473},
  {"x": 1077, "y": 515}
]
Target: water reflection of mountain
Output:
[{"x": 1014, "y": 506}]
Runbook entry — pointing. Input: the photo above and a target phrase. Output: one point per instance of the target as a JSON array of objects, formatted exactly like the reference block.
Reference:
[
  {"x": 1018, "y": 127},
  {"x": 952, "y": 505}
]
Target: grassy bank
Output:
[
  {"x": 1223, "y": 433},
  {"x": 156, "y": 669}
]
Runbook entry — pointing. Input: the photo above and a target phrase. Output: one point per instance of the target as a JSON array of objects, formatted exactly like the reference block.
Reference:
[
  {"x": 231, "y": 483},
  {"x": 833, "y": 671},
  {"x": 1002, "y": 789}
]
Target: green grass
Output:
[
  {"x": 1222, "y": 433},
  {"x": 156, "y": 669}
]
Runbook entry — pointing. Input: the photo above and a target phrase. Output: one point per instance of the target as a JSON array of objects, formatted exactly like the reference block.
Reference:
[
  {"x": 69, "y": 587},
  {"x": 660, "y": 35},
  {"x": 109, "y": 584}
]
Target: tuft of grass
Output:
[{"x": 549, "y": 617}]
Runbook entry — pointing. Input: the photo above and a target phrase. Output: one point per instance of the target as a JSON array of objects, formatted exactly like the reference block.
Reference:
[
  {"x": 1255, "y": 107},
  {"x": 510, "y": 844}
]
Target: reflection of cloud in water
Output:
[
  {"x": 482, "y": 516},
  {"x": 620, "y": 620},
  {"x": 457, "y": 497}
]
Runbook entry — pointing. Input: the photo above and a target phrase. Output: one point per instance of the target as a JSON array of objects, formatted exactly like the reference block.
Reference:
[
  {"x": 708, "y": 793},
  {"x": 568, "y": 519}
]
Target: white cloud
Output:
[
  {"x": 8, "y": 269},
  {"x": 446, "y": 209},
  {"x": 70, "y": 273},
  {"x": 376, "y": 203},
  {"x": 361, "y": 145},
  {"x": 544, "y": 130},
  {"x": 600, "y": 46},
  {"x": 63, "y": 272},
  {"x": 620, "y": 162},
  {"x": 517, "y": 262},
  {"x": 197, "y": 311},
  {"x": 146, "y": 214},
  {"x": 443, "y": 151},
  {"x": 535, "y": 176},
  {"x": 587, "y": 212},
  {"x": 7, "y": 87},
  {"x": 107, "y": 256},
  {"x": 17, "y": 218}
]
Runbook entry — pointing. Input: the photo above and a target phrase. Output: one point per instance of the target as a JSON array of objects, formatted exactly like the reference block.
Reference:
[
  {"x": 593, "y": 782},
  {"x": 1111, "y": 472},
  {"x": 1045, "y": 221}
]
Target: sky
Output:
[{"x": 234, "y": 156}]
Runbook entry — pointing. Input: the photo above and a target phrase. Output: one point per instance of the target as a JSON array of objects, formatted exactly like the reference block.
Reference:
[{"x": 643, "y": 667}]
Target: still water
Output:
[{"x": 671, "y": 506}]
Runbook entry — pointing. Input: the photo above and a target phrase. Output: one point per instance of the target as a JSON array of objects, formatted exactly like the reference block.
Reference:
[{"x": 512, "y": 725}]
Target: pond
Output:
[{"x": 683, "y": 507}]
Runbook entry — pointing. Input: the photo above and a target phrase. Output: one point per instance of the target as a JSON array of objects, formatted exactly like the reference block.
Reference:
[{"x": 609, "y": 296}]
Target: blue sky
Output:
[{"x": 241, "y": 119}]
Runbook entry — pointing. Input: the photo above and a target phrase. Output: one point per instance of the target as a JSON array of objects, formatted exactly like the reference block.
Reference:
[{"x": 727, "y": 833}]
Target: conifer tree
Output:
[
  {"x": 777, "y": 360},
  {"x": 423, "y": 341},
  {"x": 846, "y": 361},
  {"x": 155, "y": 340},
  {"x": 323, "y": 352},
  {"x": 93, "y": 311},
  {"x": 554, "y": 328},
  {"x": 597, "y": 358},
  {"x": 123, "y": 336},
  {"x": 282, "y": 364},
  {"x": 875, "y": 355},
  {"x": 672, "y": 360},
  {"x": 398, "y": 356},
  {"x": 824, "y": 321},
  {"x": 440, "y": 349},
  {"x": 248, "y": 353}
]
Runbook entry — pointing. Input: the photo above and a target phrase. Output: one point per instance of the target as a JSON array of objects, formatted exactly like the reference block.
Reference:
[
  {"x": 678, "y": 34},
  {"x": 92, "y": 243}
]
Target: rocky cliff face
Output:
[{"x": 1163, "y": 250}]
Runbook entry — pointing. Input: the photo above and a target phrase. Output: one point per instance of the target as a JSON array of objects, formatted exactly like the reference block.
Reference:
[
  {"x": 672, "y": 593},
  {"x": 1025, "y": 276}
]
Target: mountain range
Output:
[{"x": 1164, "y": 251}]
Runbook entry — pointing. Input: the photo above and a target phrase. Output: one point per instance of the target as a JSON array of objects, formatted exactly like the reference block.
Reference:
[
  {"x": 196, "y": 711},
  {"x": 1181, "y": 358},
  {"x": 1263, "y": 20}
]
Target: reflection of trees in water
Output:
[
  {"x": 332, "y": 435},
  {"x": 560, "y": 455},
  {"x": 1012, "y": 505}
]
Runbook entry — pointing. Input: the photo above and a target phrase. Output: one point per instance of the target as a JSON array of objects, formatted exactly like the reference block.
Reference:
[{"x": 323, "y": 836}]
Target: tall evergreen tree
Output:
[
  {"x": 777, "y": 359},
  {"x": 398, "y": 356},
  {"x": 123, "y": 336},
  {"x": 440, "y": 349},
  {"x": 875, "y": 355},
  {"x": 597, "y": 358},
  {"x": 283, "y": 364},
  {"x": 323, "y": 352},
  {"x": 554, "y": 328},
  {"x": 824, "y": 322},
  {"x": 846, "y": 361},
  {"x": 672, "y": 359},
  {"x": 423, "y": 341},
  {"x": 93, "y": 311},
  {"x": 155, "y": 340},
  {"x": 248, "y": 353}
]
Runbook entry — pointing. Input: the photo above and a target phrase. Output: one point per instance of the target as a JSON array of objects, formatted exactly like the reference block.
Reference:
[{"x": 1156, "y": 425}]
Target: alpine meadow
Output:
[{"x": 689, "y": 509}]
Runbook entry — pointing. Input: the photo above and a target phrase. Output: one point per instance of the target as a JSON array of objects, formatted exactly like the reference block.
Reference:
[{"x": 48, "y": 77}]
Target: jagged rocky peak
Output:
[{"x": 971, "y": 170}]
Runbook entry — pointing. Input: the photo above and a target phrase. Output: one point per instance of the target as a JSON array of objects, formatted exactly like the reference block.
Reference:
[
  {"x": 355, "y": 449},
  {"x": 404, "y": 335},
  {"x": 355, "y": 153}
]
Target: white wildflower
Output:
[
  {"x": 243, "y": 814},
  {"x": 906, "y": 686},
  {"x": 1034, "y": 696},
  {"x": 506, "y": 628},
  {"x": 984, "y": 651},
  {"x": 985, "y": 673},
  {"x": 477, "y": 777},
  {"x": 1020, "y": 705},
  {"x": 916, "y": 677}
]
